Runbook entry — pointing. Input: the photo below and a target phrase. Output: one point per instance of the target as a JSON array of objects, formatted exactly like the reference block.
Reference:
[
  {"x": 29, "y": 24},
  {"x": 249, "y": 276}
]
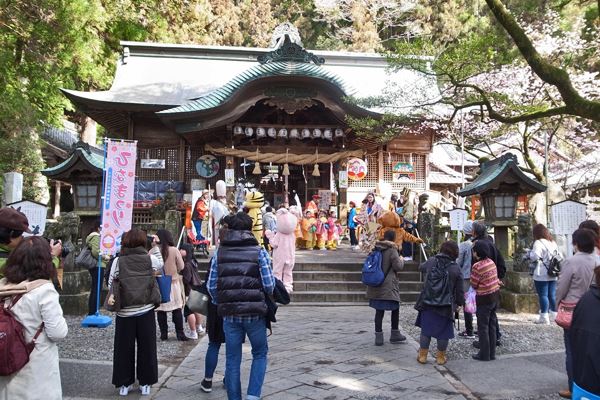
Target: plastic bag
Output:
[{"x": 470, "y": 303}]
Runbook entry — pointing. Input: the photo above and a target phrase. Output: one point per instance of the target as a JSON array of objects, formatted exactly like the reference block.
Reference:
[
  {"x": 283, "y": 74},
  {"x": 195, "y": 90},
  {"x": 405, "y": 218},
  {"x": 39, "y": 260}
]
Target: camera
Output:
[{"x": 65, "y": 250}]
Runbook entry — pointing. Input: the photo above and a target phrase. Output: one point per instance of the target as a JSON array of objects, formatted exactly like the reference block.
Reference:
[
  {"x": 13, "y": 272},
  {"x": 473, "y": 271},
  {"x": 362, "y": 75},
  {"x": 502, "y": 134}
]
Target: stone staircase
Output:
[
  {"x": 326, "y": 278},
  {"x": 339, "y": 283}
]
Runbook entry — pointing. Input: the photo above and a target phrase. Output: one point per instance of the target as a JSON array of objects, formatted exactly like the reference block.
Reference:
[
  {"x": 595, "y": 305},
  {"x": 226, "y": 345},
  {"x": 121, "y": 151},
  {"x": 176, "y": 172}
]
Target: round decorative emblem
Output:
[
  {"x": 357, "y": 169},
  {"x": 207, "y": 166}
]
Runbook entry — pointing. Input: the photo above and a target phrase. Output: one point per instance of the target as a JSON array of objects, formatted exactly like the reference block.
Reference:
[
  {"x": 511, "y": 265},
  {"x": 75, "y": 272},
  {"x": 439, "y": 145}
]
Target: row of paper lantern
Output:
[{"x": 293, "y": 133}]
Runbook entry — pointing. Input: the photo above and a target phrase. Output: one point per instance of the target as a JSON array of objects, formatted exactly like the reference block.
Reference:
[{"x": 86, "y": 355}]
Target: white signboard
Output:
[
  {"x": 567, "y": 215},
  {"x": 230, "y": 177},
  {"x": 152, "y": 163},
  {"x": 35, "y": 213},
  {"x": 343, "y": 179},
  {"x": 458, "y": 217}
]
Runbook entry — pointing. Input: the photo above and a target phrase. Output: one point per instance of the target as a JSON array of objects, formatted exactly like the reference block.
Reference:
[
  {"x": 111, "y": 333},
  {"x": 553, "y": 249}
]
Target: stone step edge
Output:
[
  {"x": 341, "y": 292},
  {"x": 330, "y": 282}
]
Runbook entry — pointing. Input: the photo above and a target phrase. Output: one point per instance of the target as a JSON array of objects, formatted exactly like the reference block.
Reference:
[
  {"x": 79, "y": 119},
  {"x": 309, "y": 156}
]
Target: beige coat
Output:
[
  {"x": 173, "y": 265},
  {"x": 40, "y": 377}
]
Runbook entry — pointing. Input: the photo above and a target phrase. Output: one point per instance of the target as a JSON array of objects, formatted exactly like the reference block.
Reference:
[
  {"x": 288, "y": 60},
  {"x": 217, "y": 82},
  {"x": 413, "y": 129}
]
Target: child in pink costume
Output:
[{"x": 284, "y": 247}]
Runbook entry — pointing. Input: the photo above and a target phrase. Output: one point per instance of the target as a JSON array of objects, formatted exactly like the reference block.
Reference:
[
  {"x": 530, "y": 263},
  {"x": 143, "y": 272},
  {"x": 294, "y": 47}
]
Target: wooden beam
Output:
[
  {"x": 181, "y": 159},
  {"x": 130, "y": 126}
]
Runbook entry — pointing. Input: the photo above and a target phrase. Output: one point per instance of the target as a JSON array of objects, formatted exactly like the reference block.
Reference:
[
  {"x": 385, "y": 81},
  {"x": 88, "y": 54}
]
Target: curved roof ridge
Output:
[{"x": 277, "y": 68}]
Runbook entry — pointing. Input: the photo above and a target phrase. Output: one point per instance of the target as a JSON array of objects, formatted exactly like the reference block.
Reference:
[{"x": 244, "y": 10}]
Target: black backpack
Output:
[{"x": 437, "y": 286}]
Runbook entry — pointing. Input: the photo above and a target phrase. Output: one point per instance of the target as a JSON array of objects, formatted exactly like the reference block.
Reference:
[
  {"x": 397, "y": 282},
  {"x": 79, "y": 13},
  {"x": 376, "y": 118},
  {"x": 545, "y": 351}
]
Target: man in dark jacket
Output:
[
  {"x": 480, "y": 234},
  {"x": 240, "y": 278},
  {"x": 585, "y": 336}
]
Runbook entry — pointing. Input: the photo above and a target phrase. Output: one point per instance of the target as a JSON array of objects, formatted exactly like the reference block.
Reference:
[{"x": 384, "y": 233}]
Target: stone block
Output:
[
  {"x": 74, "y": 304},
  {"x": 76, "y": 282},
  {"x": 519, "y": 302},
  {"x": 13, "y": 187},
  {"x": 519, "y": 282}
]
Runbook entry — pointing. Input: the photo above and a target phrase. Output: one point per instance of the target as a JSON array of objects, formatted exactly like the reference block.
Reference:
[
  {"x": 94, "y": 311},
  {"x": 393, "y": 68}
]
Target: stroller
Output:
[{"x": 200, "y": 245}]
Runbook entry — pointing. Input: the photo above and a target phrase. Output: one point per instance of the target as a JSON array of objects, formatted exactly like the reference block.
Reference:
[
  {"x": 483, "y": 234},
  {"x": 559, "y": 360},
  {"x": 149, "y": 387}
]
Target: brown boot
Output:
[
  {"x": 422, "y": 357},
  {"x": 565, "y": 394},
  {"x": 440, "y": 357}
]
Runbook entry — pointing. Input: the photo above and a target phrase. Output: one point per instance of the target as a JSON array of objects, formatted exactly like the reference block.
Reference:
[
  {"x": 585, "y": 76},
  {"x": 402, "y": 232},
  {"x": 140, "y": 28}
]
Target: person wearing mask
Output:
[
  {"x": 28, "y": 274},
  {"x": 92, "y": 241},
  {"x": 240, "y": 278},
  {"x": 137, "y": 296},
  {"x": 464, "y": 261},
  {"x": 173, "y": 265},
  {"x": 387, "y": 295},
  {"x": 544, "y": 247},
  {"x": 440, "y": 297},
  {"x": 484, "y": 279},
  {"x": 352, "y": 225},
  {"x": 574, "y": 280},
  {"x": 480, "y": 234},
  {"x": 13, "y": 224},
  {"x": 191, "y": 281},
  {"x": 585, "y": 336}
]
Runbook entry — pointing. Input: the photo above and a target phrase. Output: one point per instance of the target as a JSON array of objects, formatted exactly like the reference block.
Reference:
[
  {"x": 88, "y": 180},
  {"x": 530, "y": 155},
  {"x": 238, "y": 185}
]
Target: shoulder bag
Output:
[
  {"x": 198, "y": 302},
  {"x": 564, "y": 317}
]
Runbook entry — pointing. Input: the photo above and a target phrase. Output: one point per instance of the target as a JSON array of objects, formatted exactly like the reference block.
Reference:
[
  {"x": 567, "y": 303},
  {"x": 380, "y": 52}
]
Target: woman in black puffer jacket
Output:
[{"x": 441, "y": 295}]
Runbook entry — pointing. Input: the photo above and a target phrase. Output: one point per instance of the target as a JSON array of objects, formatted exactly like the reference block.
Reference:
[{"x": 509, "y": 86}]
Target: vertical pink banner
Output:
[{"x": 117, "y": 206}]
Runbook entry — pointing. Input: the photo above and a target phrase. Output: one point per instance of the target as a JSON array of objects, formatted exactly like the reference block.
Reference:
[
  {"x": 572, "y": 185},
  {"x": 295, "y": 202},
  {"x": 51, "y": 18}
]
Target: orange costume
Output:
[
  {"x": 309, "y": 226},
  {"x": 391, "y": 221}
]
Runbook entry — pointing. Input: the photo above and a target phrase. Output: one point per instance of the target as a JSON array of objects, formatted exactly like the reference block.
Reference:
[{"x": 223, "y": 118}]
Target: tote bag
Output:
[
  {"x": 164, "y": 285},
  {"x": 198, "y": 302}
]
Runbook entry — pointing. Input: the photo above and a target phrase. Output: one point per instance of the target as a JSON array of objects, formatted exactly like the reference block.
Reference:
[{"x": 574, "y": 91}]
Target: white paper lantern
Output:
[
  {"x": 339, "y": 133},
  {"x": 327, "y": 134},
  {"x": 283, "y": 133},
  {"x": 272, "y": 132},
  {"x": 261, "y": 132},
  {"x": 317, "y": 133},
  {"x": 294, "y": 134},
  {"x": 249, "y": 131},
  {"x": 238, "y": 130},
  {"x": 306, "y": 133}
]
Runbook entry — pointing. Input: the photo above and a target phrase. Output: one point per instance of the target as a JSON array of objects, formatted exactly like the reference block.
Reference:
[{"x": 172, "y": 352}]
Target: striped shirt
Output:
[{"x": 484, "y": 277}]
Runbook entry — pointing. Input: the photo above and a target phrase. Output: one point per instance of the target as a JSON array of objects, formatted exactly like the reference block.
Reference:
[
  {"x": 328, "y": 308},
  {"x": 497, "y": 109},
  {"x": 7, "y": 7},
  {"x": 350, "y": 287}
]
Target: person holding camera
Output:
[{"x": 13, "y": 224}]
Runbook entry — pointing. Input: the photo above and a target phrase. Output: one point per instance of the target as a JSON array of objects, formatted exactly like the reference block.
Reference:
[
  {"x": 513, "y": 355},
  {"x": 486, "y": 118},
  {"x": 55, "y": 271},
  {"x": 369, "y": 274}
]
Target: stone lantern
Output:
[{"x": 499, "y": 183}]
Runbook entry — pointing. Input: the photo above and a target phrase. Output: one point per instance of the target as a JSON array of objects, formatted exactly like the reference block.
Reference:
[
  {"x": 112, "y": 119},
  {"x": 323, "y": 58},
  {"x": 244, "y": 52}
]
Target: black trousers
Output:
[
  {"x": 487, "y": 321},
  {"x": 128, "y": 331},
  {"x": 379, "y": 319},
  {"x": 177, "y": 316},
  {"x": 353, "y": 240},
  {"x": 94, "y": 289}
]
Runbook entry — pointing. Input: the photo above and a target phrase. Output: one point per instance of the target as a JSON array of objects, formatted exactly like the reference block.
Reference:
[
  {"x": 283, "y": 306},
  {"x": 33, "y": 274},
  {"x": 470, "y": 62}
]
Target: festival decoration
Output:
[
  {"x": 403, "y": 172},
  {"x": 357, "y": 169},
  {"x": 207, "y": 166},
  {"x": 316, "y": 168}
]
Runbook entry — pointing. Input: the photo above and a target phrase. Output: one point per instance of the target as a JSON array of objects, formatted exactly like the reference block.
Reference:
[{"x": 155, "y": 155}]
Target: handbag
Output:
[
  {"x": 113, "y": 291},
  {"x": 164, "y": 285},
  {"x": 85, "y": 260},
  {"x": 471, "y": 301},
  {"x": 564, "y": 317},
  {"x": 198, "y": 302}
]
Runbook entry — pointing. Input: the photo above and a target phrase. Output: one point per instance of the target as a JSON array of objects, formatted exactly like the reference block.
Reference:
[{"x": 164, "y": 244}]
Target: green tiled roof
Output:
[
  {"x": 500, "y": 170},
  {"x": 91, "y": 157},
  {"x": 280, "y": 68}
]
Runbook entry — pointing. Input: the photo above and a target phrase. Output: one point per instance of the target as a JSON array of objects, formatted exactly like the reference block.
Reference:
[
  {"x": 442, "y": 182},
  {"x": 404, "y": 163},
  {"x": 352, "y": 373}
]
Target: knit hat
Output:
[{"x": 468, "y": 228}]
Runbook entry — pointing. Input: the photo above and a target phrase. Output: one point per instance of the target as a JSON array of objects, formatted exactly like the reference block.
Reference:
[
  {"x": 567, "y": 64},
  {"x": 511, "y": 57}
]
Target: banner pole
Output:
[{"x": 97, "y": 320}]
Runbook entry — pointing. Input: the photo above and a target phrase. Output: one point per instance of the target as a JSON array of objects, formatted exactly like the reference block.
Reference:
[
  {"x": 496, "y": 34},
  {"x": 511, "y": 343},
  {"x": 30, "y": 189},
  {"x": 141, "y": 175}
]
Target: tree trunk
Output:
[{"x": 88, "y": 131}]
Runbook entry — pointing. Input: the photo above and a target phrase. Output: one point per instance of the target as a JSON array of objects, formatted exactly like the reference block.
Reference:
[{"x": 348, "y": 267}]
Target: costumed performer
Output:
[
  {"x": 284, "y": 247},
  {"x": 254, "y": 202},
  {"x": 218, "y": 209},
  {"x": 199, "y": 213},
  {"x": 369, "y": 213},
  {"x": 309, "y": 227}
]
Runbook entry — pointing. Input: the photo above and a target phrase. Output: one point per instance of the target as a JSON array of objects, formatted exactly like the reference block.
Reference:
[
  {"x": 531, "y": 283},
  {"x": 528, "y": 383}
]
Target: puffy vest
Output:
[
  {"x": 239, "y": 285},
  {"x": 138, "y": 285}
]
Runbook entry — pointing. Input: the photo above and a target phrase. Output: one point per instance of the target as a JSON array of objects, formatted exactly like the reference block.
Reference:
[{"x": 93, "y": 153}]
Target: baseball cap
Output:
[{"x": 14, "y": 219}]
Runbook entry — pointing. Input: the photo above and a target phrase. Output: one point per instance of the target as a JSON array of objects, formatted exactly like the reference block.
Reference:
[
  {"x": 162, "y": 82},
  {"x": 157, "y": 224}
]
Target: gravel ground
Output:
[
  {"x": 97, "y": 343},
  {"x": 519, "y": 334}
]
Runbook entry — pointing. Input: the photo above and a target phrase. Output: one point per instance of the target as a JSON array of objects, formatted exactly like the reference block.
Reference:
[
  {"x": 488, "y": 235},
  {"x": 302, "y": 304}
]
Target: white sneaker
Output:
[
  {"x": 543, "y": 320},
  {"x": 192, "y": 335},
  {"x": 145, "y": 389},
  {"x": 201, "y": 330},
  {"x": 553, "y": 316},
  {"x": 409, "y": 258},
  {"x": 124, "y": 391}
]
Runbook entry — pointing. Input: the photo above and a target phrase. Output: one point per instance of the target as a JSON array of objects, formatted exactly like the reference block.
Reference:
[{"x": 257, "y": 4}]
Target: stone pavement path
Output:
[{"x": 324, "y": 353}]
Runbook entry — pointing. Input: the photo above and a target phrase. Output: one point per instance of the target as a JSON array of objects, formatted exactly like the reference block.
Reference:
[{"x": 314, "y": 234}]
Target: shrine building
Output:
[{"x": 204, "y": 113}]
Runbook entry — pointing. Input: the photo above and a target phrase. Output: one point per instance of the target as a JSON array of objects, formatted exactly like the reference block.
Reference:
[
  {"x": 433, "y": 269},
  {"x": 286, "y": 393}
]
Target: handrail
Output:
[{"x": 421, "y": 244}]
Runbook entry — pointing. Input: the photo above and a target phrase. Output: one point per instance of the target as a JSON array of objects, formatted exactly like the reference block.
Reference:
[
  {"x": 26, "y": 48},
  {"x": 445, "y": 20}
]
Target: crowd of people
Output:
[{"x": 242, "y": 277}]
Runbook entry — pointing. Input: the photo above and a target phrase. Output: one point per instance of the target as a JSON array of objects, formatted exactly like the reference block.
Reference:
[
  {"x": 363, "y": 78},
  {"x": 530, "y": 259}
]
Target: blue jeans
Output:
[
  {"x": 211, "y": 359},
  {"x": 234, "y": 335},
  {"x": 198, "y": 226},
  {"x": 546, "y": 292},
  {"x": 568, "y": 358}
]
